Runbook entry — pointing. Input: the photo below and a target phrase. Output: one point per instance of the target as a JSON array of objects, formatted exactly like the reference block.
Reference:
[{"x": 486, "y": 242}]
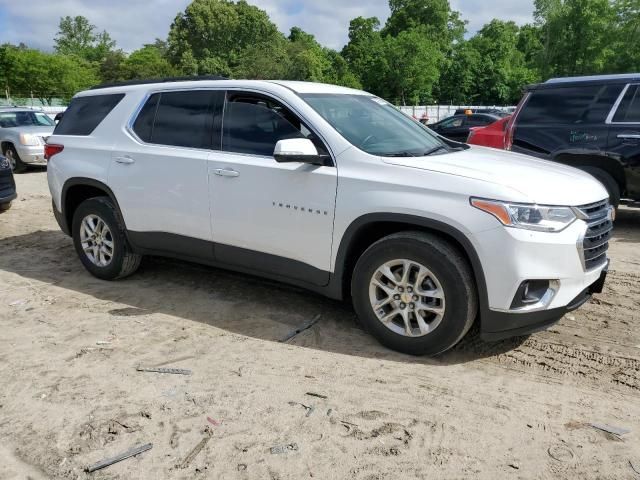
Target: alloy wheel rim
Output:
[
  {"x": 96, "y": 240},
  {"x": 407, "y": 298}
]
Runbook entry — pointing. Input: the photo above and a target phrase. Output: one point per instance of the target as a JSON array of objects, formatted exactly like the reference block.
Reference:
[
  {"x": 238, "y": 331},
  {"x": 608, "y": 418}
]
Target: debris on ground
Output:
[
  {"x": 617, "y": 431},
  {"x": 316, "y": 395},
  {"x": 214, "y": 422},
  {"x": 560, "y": 453},
  {"x": 301, "y": 328},
  {"x": 176, "y": 371},
  {"x": 242, "y": 466},
  {"x": 18, "y": 303},
  {"x": 289, "y": 447},
  {"x": 118, "y": 458},
  {"x": 103, "y": 342},
  {"x": 308, "y": 408},
  {"x": 194, "y": 453}
]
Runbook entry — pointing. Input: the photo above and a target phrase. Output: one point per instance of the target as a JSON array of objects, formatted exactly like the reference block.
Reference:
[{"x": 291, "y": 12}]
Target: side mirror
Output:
[{"x": 297, "y": 150}]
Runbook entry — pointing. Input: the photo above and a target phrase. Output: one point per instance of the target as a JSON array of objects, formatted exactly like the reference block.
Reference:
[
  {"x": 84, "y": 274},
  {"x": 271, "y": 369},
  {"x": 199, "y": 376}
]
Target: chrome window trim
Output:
[
  {"x": 129, "y": 125},
  {"x": 616, "y": 105}
]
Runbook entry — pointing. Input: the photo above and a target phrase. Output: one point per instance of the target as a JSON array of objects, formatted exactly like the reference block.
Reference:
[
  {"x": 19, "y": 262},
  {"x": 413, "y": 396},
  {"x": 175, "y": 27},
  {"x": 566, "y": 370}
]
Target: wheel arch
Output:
[
  {"x": 367, "y": 229},
  {"x": 78, "y": 189}
]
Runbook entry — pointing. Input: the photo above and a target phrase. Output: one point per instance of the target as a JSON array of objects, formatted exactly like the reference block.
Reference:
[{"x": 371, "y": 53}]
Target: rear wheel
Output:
[
  {"x": 5, "y": 206},
  {"x": 609, "y": 183},
  {"x": 17, "y": 165},
  {"x": 415, "y": 293},
  {"x": 100, "y": 241}
]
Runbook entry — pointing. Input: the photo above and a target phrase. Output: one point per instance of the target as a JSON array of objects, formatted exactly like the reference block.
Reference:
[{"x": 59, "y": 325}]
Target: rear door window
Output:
[
  {"x": 85, "y": 114},
  {"x": 183, "y": 119},
  {"x": 570, "y": 105},
  {"x": 629, "y": 109}
]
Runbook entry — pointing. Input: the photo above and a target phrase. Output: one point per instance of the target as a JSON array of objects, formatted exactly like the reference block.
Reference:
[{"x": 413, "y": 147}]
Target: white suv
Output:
[{"x": 335, "y": 190}]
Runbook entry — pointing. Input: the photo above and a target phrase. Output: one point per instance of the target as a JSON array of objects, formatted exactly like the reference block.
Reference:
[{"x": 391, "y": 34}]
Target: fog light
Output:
[{"x": 531, "y": 292}]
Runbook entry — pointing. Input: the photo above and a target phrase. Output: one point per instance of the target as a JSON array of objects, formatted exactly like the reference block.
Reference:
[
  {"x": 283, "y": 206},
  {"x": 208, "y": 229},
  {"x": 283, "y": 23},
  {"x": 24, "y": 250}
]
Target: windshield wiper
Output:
[
  {"x": 399, "y": 154},
  {"x": 434, "y": 150}
]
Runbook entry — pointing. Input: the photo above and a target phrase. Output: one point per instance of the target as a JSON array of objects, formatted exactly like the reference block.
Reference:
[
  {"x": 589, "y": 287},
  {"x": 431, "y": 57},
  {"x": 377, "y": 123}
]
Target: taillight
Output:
[
  {"x": 508, "y": 137},
  {"x": 51, "y": 149}
]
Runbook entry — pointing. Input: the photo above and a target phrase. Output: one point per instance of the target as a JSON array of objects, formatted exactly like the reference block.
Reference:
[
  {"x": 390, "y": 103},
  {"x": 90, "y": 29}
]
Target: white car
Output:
[
  {"x": 23, "y": 133},
  {"x": 335, "y": 190}
]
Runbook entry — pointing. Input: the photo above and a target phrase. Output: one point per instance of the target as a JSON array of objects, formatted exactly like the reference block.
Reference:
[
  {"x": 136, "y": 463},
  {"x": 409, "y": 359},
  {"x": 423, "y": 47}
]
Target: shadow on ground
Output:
[{"x": 237, "y": 303}]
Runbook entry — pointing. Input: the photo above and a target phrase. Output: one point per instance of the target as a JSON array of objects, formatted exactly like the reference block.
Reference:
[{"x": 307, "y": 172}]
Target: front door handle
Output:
[
  {"x": 226, "y": 172},
  {"x": 126, "y": 159}
]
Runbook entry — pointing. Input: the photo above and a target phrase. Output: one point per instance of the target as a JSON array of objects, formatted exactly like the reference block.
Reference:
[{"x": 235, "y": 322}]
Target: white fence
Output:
[{"x": 435, "y": 113}]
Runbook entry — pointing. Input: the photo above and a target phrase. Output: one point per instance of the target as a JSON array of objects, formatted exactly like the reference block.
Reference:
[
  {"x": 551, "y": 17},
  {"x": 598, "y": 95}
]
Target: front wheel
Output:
[
  {"x": 100, "y": 241},
  {"x": 415, "y": 293},
  {"x": 17, "y": 165}
]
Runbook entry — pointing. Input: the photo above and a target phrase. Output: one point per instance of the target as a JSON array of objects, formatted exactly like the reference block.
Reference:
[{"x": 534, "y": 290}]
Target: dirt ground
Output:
[{"x": 71, "y": 395}]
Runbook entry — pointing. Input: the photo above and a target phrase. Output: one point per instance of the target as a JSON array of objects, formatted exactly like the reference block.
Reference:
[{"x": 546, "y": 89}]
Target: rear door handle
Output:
[
  {"x": 126, "y": 159},
  {"x": 629, "y": 136},
  {"x": 226, "y": 172}
]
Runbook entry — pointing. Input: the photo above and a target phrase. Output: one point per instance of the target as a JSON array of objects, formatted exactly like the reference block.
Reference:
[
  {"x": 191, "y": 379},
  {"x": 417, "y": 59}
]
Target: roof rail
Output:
[{"x": 194, "y": 78}]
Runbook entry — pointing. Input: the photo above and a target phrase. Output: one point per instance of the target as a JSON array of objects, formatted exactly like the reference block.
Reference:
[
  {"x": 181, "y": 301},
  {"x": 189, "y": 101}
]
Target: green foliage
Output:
[
  {"x": 45, "y": 76},
  {"x": 216, "y": 34},
  {"x": 420, "y": 55},
  {"x": 577, "y": 36},
  {"x": 76, "y": 36}
]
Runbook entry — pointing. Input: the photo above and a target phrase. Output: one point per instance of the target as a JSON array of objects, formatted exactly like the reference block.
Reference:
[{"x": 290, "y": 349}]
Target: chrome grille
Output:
[{"x": 594, "y": 246}]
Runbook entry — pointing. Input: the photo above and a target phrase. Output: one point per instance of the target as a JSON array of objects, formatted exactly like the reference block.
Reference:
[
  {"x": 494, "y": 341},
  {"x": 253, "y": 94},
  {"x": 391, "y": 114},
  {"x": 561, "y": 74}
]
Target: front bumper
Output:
[
  {"x": 31, "y": 155},
  {"x": 512, "y": 256},
  {"x": 501, "y": 325}
]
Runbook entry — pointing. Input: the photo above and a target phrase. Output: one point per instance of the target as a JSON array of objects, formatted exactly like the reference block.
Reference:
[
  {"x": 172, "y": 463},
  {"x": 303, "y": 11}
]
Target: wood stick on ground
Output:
[{"x": 118, "y": 458}]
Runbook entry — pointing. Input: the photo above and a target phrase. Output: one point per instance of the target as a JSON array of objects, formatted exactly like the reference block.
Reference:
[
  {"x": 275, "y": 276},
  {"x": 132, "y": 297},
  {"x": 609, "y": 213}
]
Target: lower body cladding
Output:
[{"x": 535, "y": 278}]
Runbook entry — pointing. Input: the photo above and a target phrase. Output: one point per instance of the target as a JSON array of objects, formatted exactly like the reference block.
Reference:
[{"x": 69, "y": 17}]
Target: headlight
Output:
[
  {"x": 541, "y": 218},
  {"x": 29, "y": 140},
  {"x": 4, "y": 163}
]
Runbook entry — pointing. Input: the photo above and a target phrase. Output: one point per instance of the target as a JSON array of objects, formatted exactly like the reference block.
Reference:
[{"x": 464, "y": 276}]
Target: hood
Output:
[
  {"x": 541, "y": 181},
  {"x": 41, "y": 131}
]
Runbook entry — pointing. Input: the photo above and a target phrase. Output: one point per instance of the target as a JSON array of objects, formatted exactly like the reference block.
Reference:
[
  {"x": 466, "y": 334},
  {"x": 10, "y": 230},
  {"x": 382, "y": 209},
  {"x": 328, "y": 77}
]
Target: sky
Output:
[{"x": 133, "y": 23}]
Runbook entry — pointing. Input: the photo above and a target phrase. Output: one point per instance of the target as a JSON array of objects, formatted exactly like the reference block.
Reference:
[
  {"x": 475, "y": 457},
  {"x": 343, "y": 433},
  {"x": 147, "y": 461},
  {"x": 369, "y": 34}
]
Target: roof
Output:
[
  {"x": 162, "y": 84},
  {"x": 586, "y": 80}
]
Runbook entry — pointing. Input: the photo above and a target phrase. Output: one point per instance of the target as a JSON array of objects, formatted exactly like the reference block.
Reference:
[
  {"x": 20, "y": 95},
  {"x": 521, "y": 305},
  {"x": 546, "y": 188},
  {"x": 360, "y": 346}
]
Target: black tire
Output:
[
  {"x": 609, "y": 183},
  {"x": 124, "y": 261},
  {"x": 5, "y": 206},
  {"x": 17, "y": 165},
  {"x": 454, "y": 274}
]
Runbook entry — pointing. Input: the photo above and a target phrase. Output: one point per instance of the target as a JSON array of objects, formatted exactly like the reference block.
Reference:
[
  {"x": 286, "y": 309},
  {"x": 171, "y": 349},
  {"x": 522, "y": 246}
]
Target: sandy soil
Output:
[{"x": 514, "y": 409}]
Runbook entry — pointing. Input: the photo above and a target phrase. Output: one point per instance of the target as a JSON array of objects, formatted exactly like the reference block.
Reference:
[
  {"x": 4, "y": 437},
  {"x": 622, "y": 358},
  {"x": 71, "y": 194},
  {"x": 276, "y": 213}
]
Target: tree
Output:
[
  {"x": 436, "y": 19},
  {"x": 576, "y": 36},
  {"x": 216, "y": 33},
  {"x": 147, "y": 63},
  {"x": 411, "y": 67},
  {"x": 76, "y": 36},
  {"x": 45, "y": 76},
  {"x": 364, "y": 52},
  {"x": 502, "y": 71},
  {"x": 627, "y": 36}
]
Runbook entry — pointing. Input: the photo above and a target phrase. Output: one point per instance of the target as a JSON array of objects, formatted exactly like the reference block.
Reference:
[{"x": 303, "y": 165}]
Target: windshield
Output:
[
  {"x": 25, "y": 119},
  {"x": 375, "y": 126}
]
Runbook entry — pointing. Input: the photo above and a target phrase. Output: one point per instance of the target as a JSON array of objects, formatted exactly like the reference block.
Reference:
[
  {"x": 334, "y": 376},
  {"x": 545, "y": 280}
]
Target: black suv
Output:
[
  {"x": 7, "y": 184},
  {"x": 592, "y": 123}
]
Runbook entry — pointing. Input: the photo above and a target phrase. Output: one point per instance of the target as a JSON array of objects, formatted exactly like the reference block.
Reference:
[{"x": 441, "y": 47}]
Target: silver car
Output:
[{"x": 23, "y": 133}]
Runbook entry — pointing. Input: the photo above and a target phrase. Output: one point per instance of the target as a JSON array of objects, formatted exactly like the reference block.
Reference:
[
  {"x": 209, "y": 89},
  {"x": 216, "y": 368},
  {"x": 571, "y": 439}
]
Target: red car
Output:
[{"x": 490, "y": 136}]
